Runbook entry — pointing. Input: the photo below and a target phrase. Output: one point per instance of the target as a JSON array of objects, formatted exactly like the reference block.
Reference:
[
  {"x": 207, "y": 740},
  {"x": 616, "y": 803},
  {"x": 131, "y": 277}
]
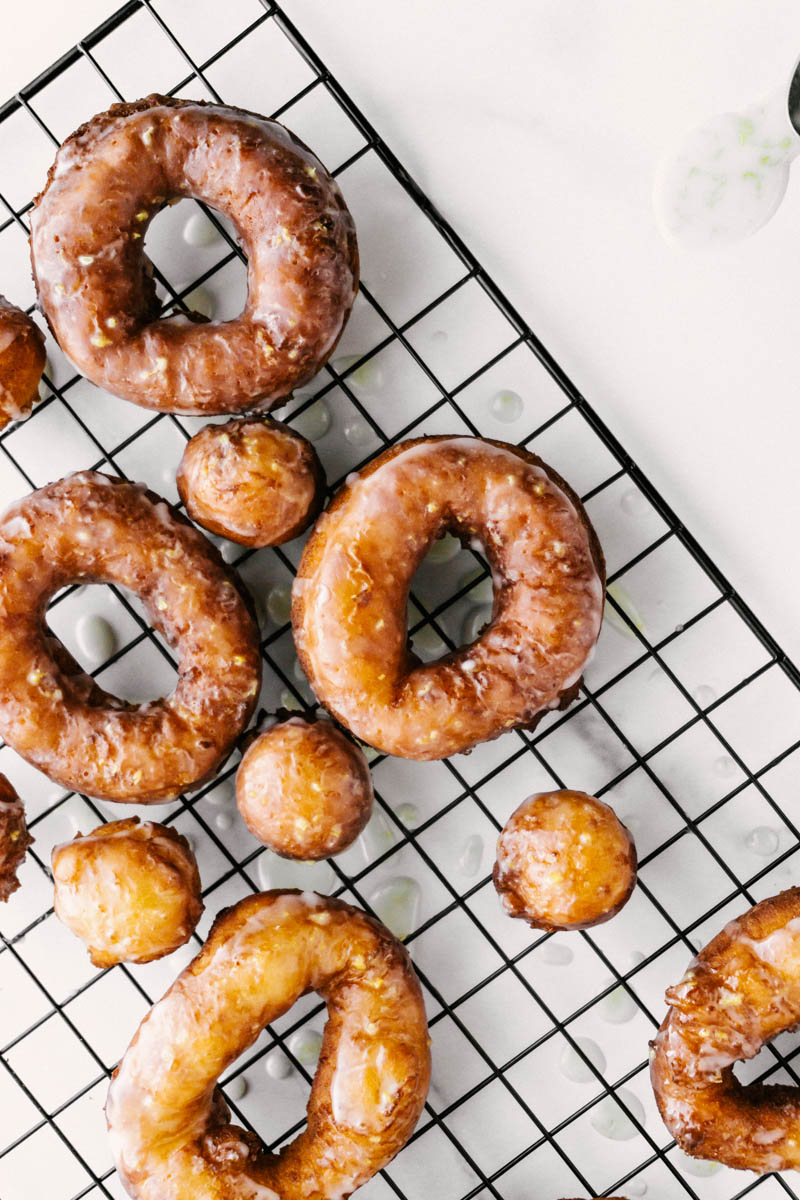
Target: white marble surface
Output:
[{"x": 536, "y": 126}]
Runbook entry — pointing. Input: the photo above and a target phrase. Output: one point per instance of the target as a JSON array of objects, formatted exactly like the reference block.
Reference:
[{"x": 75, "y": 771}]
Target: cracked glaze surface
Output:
[
  {"x": 741, "y": 991},
  {"x": 109, "y": 180},
  {"x": 351, "y": 592},
  {"x": 168, "y": 1123},
  {"x": 90, "y": 528}
]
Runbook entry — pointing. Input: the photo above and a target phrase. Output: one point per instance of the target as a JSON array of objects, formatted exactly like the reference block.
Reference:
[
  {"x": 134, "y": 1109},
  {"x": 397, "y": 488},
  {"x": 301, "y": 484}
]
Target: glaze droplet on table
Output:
[
  {"x": 278, "y": 604},
  {"x": 618, "y": 1007},
  {"x": 471, "y": 854},
  {"x": 506, "y": 406},
  {"x": 573, "y": 1066},
  {"x": 762, "y": 841},
  {"x": 277, "y": 1065},
  {"x": 305, "y": 1045},
  {"x": 396, "y": 904},
  {"x": 556, "y": 954},
  {"x": 314, "y": 422},
  {"x": 408, "y": 813},
  {"x": 276, "y": 872},
  {"x": 365, "y": 380},
  {"x": 200, "y": 231},
  {"x": 474, "y": 622},
  {"x": 612, "y": 1121},
  {"x": 96, "y": 638},
  {"x": 444, "y": 550},
  {"x": 357, "y": 432}
]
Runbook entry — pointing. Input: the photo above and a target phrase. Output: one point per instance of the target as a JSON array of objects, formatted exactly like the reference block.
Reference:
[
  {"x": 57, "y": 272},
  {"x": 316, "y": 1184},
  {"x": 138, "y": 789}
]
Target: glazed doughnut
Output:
[
  {"x": 14, "y": 838},
  {"x": 22, "y": 360},
  {"x": 168, "y": 1123},
  {"x": 90, "y": 528},
  {"x": 252, "y": 480},
  {"x": 564, "y": 861},
  {"x": 130, "y": 892},
  {"x": 95, "y": 283},
  {"x": 351, "y": 591},
  {"x": 304, "y": 789},
  {"x": 741, "y": 991}
]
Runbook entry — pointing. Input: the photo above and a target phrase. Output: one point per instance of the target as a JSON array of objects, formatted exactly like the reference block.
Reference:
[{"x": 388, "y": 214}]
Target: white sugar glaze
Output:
[
  {"x": 729, "y": 175},
  {"x": 740, "y": 993},
  {"x": 168, "y": 1136}
]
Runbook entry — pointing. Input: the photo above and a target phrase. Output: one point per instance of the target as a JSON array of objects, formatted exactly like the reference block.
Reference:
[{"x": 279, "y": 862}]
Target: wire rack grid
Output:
[{"x": 688, "y": 721}]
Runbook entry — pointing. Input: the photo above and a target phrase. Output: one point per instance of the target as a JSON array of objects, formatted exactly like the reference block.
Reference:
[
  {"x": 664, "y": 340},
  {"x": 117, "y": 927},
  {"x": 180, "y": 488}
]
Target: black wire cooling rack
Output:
[{"x": 689, "y": 721}]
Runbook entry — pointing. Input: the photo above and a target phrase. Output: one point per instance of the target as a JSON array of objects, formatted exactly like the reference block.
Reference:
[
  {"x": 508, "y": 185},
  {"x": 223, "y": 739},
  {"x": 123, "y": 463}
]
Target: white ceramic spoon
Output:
[{"x": 729, "y": 176}]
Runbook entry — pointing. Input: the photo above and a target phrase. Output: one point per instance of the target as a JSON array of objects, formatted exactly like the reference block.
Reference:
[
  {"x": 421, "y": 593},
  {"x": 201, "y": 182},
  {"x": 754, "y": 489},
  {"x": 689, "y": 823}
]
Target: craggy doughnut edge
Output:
[
  {"x": 741, "y": 991},
  {"x": 169, "y": 1122},
  {"x": 94, "y": 528}
]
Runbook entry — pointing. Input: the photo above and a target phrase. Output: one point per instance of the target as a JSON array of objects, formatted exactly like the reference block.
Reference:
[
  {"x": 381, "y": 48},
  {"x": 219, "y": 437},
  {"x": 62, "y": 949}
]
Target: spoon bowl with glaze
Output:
[{"x": 729, "y": 175}]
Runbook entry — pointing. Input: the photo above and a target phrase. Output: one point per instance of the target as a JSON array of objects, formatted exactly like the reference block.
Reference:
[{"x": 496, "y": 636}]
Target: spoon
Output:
[{"x": 729, "y": 175}]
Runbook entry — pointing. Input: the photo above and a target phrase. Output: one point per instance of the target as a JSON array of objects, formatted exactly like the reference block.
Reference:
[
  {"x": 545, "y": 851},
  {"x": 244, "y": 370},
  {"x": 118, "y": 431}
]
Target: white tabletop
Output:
[{"x": 536, "y": 127}]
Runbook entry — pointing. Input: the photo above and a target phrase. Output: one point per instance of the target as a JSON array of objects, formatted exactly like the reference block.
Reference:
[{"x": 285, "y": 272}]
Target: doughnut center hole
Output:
[
  {"x": 756, "y": 1068},
  {"x": 197, "y": 261},
  {"x": 98, "y": 625},
  {"x": 453, "y": 584}
]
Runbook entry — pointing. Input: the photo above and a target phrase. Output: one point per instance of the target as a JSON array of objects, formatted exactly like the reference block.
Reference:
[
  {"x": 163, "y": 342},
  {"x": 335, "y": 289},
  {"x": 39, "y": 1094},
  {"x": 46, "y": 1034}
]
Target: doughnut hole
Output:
[
  {"x": 129, "y": 891},
  {"x": 304, "y": 789},
  {"x": 22, "y": 362},
  {"x": 450, "y": 567},
  {"x": 564, "y": 861},
  {"x": 14, "y": 838},
  {"x": 253, "y": 481}
]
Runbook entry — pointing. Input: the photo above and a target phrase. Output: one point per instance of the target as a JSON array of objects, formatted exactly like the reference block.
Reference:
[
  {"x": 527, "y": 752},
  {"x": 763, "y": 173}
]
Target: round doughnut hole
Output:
[
  {"x": 94, "y": 626},
  {"x": 304, "y": 789},
  {"x": 449, "y": 570},
  {"x": 130, "y": 891},
  {"x": 183, "y": 244},
  {"x": 564, "y": 861}
]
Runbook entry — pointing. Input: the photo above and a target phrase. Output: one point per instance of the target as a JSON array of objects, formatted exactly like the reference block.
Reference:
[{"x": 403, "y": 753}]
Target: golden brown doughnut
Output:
[
  {"x": 22, "y": 359},
  {"x": 90, "y": 528},
  {"x": 252, "y": 480},
  {"x": 564, "y": 861},
  {"x": 130, "y": 892},
  {"x": 741, "y": 991},
  {"x": 95, "y": 284},
  {"x": 350, "y": 596},
  {"x": 304, "y": 789},
  {"x": 168, "y": 1122},
  {"x": 14, "y": 838}
]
